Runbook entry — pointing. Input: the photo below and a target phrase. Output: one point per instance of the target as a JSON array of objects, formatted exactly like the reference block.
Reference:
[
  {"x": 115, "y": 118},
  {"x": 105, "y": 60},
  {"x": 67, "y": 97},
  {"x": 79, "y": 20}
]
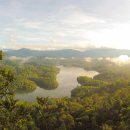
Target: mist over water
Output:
[{"x": 121, "y": 60}]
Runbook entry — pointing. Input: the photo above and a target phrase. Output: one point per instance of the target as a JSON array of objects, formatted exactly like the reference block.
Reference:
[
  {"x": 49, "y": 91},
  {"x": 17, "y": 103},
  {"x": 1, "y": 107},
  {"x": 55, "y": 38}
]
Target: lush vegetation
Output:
[
  {"x": 98, "y": 110},
  {"x": 28, "y": 76},
  {"x": 102, "y": 103}
]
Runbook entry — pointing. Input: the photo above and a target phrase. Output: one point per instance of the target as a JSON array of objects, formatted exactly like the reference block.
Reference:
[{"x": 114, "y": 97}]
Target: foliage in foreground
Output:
[{"x": 100, "y": 106}]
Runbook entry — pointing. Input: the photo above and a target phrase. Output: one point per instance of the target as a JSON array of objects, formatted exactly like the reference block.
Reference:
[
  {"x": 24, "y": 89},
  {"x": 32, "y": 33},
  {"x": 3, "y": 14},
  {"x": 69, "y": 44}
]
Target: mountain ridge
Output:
[{"x": 67, "y": 53}]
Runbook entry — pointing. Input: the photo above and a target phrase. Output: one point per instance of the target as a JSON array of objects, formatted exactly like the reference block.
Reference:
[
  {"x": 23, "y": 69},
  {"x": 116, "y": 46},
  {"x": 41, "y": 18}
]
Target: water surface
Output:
[{"x": 67, "y": 79}]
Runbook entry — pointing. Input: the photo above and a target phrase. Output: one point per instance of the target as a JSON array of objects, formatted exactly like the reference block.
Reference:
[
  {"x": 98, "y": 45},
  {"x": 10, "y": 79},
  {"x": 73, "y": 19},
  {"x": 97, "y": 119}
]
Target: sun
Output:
[{"x": 123, "y": 58}]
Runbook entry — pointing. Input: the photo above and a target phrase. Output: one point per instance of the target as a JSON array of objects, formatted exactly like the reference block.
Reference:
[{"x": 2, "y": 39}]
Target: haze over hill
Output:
[{"x": 68, "y": 53}]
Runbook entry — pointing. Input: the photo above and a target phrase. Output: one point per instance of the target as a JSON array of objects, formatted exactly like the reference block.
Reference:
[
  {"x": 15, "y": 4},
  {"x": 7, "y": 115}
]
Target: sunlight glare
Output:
[{"x": 123, "y": 58}]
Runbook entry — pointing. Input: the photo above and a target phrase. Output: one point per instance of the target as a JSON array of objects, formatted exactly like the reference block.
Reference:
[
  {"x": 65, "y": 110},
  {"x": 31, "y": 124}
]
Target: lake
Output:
[{"x": 67, "y": 79}]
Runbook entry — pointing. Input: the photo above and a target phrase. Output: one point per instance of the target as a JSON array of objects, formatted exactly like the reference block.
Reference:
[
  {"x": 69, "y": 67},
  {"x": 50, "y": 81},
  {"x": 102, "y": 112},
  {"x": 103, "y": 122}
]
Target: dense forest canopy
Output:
[
  {"x": 29, "y": 76},
  {"x": 65, "y": 65},
  {"x": 101, "y": 103}
]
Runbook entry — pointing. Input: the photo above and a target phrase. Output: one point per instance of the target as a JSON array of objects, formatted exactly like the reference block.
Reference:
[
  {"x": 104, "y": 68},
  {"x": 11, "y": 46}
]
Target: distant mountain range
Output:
[{"x": 67, "y": 53}]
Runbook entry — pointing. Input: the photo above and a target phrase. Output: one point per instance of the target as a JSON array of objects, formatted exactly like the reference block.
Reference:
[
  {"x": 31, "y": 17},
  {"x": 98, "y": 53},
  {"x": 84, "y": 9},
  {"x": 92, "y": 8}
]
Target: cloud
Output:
[
  {"x": 78, "y": 17},
  {"x": 63, "y": 24},
  {"x": 117, "y": 36},
  {"x": 32, "y": 24}
]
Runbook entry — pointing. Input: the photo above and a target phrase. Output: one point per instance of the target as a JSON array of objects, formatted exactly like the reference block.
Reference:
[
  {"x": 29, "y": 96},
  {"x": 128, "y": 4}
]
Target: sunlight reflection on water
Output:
[{"x": 67, "y": 79}]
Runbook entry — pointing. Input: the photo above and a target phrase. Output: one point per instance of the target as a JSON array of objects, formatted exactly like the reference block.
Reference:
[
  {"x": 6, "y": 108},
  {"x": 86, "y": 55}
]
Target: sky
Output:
[{"x": 64, "y": 24}]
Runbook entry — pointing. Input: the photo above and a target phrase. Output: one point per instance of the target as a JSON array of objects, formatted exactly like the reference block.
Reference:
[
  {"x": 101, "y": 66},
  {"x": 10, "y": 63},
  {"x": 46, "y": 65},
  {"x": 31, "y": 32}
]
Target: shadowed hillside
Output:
[{"x": 67, "y": 53}]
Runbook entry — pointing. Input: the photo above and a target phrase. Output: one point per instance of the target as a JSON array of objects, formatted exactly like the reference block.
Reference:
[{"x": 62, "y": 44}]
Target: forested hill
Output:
[
  {"x": 67, "y": 53},
  {"x": 98, "y": 103}
]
